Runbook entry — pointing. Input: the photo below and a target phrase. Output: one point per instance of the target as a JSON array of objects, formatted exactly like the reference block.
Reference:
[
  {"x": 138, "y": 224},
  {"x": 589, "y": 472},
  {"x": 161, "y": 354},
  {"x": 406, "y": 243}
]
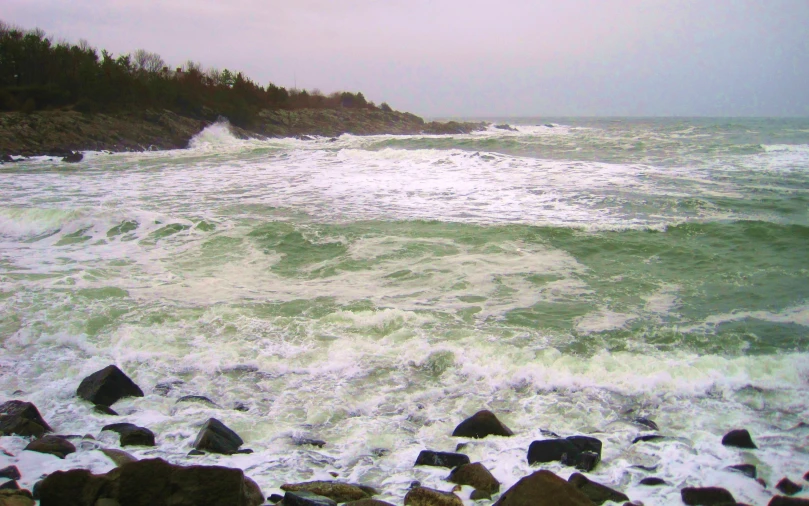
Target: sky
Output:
[{"x": 471, "y": 58}]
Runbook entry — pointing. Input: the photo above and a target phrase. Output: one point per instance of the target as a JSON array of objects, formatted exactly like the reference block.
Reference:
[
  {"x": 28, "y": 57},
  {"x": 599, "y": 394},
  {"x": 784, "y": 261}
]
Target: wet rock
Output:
[
  {"x": 163, "y": 388},
  {"x": 104, "y": 410},
  {"x": 240, "y": 406},
  {"x": 215, "y": 437},
  {"x": 648, "y": 438},
  {"x": 481, "y": 424},
  {"x": 414, "y": 484},
  {"x": 274, "y": 498},
  {"x": 53, "y": 445},
  {"x": 507, "y": 127},
  {"x": 194, "y": 453},
  {"x": 543, "y": 488},
  {"x": 10, "y": 485},
  {"x": 460, "y": 446},
  {"x": 740, "y": 438},
  {"x": 706, "y": 496},
  {"x": 368, "y": 502},
  {"x": 119, "y": 457},
  {"x": 335, "y": 490},
  {"x": 306, "y": 498},
  {"x": 22, "y": 418},
  {"x": 571, "y": 449},
  {"x": 781, "y": 500},
  {"x": 653, "y": 482},
  {"x": 475, "y": 475},
  {"x": 131, "y": 435},
  {"x": 584, "y": 461},
  {"x": 10, "y": 472},
  {"x": 596, "y": 492},
  {"x": 107, "y": 386},
  {"x": 6, "y": 158},
  {"x": 305, "y": 441},
  {"x": 201, "y": 399},
  {"x": 422, "y": 496},
  {"x": 806, "y": 476},
  {"x": 788, "y": 487},
  {"x": 16, "y": 497},
  {"x": 646, "y": 423},
  {"x": 441, "y": 459},
  {"x": 152, "y": 482},
  {"x": 651, "y": 469},
  {"x": 748, "y": 470},
  {"x": 73, "y": 157}
]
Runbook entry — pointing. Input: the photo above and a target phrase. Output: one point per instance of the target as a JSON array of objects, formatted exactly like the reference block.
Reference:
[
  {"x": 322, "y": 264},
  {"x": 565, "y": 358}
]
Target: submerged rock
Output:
[
  {"x": 740, "y": 438},
  {"x": 748, "y": 470},
  {"x": 441, "y": 459},
  {"x": 119, "y": 457},
  {"x": 648, "y": 438},
  {"x": 53, "y": 445},
  {"x": 306, "y": 498},
  {"x": 579, "y": 451},
  {"x": 338, "y": 491},
  {"x": 73, "y": 157},
  {"x": 597, "y": 492},
  {"x": 216, "y": 437},
  {"x": 107, "y": 386},
  {"x": 481, "y": 424},
  {"x": 788, "y": 487},
  {"x": 23, "y": 419},
  {"x": 706, "y": 496},
  {"x": 475, "y": 475},
  {"x": 422, "y": 496},
  {"x": 104, "y": 410},
  {"x": 653, "y": 482},
  {"x": 506, "y": 126},
  {"x": 201, "y": 399},
  {"x": 152, "y": 482},
  {"x": 642, "y": 420},
  {"x": 543, "y": 488},
  {"x": 132, "y": 435}
]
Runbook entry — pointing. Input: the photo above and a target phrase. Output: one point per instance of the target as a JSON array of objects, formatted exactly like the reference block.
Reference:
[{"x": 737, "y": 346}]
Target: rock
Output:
[
  {"x": 653, "y": 482},
  {"x": 596, "y": 492},
  {"x": 441, "y": 459},
  {"x": 706, "y": 496},
  {"x": 475, "y": 475},
  {"x": 422, "y": 496},
  {"x": 788, "y": 487},
  {"x": 305, "y": 441},
  {"x": 748, "y": 470},
  {"x": 194, "y": 453},
  {"x": 274, "y": 498},
  {"x": 306, "y": 498},
  {"x": 648, "y": 438},
  {"x": 806, "y": 476},
  {"x": 335, "y": 490},
  {"x": 107, "y": 386},
  {"x": 152, "y": 482},
  {"x": 107, "y": 502},
  {"x": 584, "y": 461},
  {"x": 197, "y": 398},
  {"x": 481, "y": 424},
  {"x": 73, "y": 157},
  {"x": 781, "y": 500},
  {"x": 646, "y": 423},
  {"x": 131, "y": 434},
  {"x": 478, "y": 495},
  {"x": 368, "y": 502},
  {"x": 739, "y": 438},
  {"x": 119, "y": 457},
  {"x": 240, "y": 406},
  {"x": 505, "y": 126},
  {"x": 215, "y": 437},
  {"x": 104, "y": 410},
  {"x": 10, "y": 472},
  {"x": 22, "y": 418},
  {"x": 10, "y": 485},
  {"x": 543, "y": 488},
  {"x": 51, "y": 444},
  {"x": 571, "y": 448},
  {"x": 18, "y": 497}
]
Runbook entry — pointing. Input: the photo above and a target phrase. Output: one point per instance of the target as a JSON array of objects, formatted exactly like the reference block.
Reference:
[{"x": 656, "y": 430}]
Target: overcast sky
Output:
[{"x": 441, "y": 58}]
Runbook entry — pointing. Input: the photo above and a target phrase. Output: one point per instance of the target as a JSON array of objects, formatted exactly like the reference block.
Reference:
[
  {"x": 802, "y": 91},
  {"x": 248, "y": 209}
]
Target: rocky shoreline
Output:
[
  {"x": 61, "y": 133},
  {"x": 154, "y": 481}
]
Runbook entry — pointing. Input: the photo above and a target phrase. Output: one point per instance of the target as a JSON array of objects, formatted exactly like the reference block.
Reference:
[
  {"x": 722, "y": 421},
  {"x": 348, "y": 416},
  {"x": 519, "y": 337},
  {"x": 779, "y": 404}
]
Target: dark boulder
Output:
[
  {"x": 806, "y": 476},
  {"x": 423, "y": 496},
  {"x": 441, "y": 459},
  {"x": 481, "y": 424},
  {"x": 215, "y": 437},
  {"x": 543, "y": 488},
  {"x": 201, "y": 399},
  {"x": 15, "y": 497},
  {"x": 306, "y": 498},
  {"x": 54, "y": 445},
  {"x": 475, "y": 475},
  {"x": 506, "y": 126},
  {"x": 104, "y": 410},
  {"x": 22, "y": 418},
  {"x": 572, "y": 450},
  {"x": 306, "y": 441},
  {"x": 152, "y": 482},
  {"x": 706, "y": 496},
  {"x": 740, "y": 438},
  {"x": 788, "y": 487},
  {"x": 106, "y": 386},
  {"x": 119, "y": 457},
  {"x": 584, "y": 461},
  {"x": 645, "y": 422},
  {"x": 335, "y": 490},
  {"x": 131, "y": 435},
  {"x": 10, "y": 485},
  {"x": 368, "y": 502},
  {"x": 748, "y": 470},
  {"x": 648, "y": 438},
  {"x": 73, "y": 157},
  {"x": 653, "y": 482},
  {"x": 274, "y": 498},
  {"x": 10, "y": 472},
  {"x": 781, "y": 500},
  {"x": 596, "y": 492}
]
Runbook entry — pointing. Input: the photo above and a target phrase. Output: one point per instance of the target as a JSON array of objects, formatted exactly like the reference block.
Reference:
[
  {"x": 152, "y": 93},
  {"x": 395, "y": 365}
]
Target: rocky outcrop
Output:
[
  {"x": 543, "y": 488},
  {"x": 481, "y": 424},
  {"x": 216, "y": 437},
  {"x": 441, "y": 459},
  {"x": 423, "y": 496},
  {"x": 107, "y": 386},
  {"x": 154, "y": 482},
  {"x": 53, "y": 445},
  {"x": 131, "y": 435},
  {"x": 335, "y": 490},
  {"x": 740, "y": 438},
  {"x": 23, "y": 419}
]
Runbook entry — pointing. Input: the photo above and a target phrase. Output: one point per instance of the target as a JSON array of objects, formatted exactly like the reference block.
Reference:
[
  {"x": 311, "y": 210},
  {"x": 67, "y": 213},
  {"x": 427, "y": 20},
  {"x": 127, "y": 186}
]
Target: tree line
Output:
[{"x": 37, "y": 73}]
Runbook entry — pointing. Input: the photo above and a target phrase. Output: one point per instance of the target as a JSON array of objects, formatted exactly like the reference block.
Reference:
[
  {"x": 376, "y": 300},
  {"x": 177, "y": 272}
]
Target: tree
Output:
[{"x": 144, "y": 61}]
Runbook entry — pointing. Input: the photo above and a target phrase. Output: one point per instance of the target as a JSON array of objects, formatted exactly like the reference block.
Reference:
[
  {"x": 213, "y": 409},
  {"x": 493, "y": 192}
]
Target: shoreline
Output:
[{"x": 64, "y": 133}]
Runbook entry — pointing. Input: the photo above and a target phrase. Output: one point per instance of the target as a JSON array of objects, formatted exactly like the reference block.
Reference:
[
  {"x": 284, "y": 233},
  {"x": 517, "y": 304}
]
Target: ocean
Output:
[{"x": 372, "y": 292}]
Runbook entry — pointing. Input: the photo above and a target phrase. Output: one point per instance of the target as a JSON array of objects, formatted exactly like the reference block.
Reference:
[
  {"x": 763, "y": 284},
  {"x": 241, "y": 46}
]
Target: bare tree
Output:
[{"x": 148, "y": 62}]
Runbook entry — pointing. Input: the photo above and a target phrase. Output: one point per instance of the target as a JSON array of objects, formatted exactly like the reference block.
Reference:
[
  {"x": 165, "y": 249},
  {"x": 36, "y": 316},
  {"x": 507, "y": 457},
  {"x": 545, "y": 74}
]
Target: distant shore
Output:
[{"x": 59, "y": 133}]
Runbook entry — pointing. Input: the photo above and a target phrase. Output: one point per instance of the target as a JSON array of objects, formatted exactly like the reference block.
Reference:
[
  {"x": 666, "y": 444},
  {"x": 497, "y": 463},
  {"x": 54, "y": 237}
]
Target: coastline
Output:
[{"x": 60, "y": 133}]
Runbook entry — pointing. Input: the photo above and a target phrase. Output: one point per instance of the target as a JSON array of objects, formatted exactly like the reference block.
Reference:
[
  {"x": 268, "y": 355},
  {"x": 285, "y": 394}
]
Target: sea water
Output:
[{"x": 373, "y": 292}]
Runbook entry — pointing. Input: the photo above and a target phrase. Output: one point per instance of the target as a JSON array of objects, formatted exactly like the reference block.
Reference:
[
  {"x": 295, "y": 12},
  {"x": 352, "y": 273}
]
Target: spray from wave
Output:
[{"x": 215, "y": 135}]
